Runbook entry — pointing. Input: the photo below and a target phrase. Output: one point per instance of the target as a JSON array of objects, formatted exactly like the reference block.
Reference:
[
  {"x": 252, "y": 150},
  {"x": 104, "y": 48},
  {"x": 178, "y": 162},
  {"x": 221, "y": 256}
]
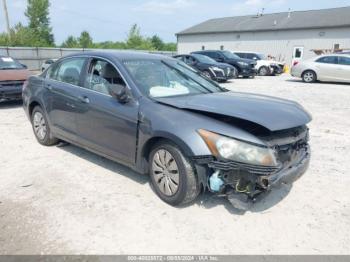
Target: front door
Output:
[
  {"x": 104, "y": 124},
  {"x": 298, "y": 53}
]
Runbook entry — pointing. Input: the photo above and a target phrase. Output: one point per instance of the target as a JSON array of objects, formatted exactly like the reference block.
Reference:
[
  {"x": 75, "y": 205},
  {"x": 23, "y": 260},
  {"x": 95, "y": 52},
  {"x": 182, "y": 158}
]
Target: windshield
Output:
[
  {"x": 204, "y": 59},
  {"x": 230, "y": 55},
  {"x": 261, "y": 56},
  {"x": 166, "y": 78},
  {"x": 9, "y": 63}
]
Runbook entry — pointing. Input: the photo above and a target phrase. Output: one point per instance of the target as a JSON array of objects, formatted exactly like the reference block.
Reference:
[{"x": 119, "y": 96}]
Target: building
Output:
[{"x": 285, "y": 36}]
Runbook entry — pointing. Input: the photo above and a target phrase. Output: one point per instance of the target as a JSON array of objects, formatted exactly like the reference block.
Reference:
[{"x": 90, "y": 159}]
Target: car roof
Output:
[
  {"x": 203, "y": 51},
  {"x": 121, "y": 55},
  {"x": 335, "y": 54},
  {"x": 246, "y": 52}
]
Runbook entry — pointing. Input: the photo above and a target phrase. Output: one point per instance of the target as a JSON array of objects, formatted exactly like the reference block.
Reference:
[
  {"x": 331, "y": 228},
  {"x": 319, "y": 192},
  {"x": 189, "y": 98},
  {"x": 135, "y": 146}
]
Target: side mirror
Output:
[
  {"x": 220, "y": 59},
  {"x": 25, "y": 66},
  {"x": 120, "y": 92}
]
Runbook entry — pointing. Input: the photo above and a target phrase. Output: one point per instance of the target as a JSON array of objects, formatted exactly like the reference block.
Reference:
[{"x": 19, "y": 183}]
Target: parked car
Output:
[
  {"x": 47, "y": 63},
  {"x": 264, "y": 66},
  {"x": 244, "y": 67},
  {"x": 209, "y": 67},
  {"x": 334, "y": 67},
  {"x": 12, "y": 76},
  {"x": 158, "y": 116}
]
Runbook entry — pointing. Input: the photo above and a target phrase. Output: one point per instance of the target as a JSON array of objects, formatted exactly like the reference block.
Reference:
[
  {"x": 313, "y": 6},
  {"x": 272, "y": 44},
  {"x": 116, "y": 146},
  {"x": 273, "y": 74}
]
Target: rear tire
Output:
[
  {"x": 263, "y": 71},
  {"x": 309, "y": 76},
  {"x": 172, "y": 175},
  {"x": 41, "y": 128}
]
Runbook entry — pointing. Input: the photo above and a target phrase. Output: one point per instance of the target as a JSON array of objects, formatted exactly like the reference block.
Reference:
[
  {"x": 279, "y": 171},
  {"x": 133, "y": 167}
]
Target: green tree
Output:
[
  {"x": 70, "y": 42},
  {"x": 136, "y": 41},
  {"x": 85, "y": 40},
  {"x": 37, "y": 13},
  {"x": 157, "y": 42}
]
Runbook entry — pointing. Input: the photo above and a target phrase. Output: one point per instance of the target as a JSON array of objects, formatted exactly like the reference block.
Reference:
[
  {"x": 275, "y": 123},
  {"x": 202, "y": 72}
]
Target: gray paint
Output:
[
  {"x": 269, "y": 112},
  {"x": 130, "y": 127}
]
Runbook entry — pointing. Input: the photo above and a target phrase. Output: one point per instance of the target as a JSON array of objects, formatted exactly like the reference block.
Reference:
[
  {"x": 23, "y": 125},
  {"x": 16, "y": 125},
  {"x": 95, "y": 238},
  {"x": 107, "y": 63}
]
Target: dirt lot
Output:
[{"x": 61, "y": 200}]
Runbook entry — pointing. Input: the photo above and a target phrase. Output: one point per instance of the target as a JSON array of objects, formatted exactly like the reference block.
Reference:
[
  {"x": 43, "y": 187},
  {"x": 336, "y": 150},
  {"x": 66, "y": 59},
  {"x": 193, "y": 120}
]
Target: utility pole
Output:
[{"x": 6, "y": 16}]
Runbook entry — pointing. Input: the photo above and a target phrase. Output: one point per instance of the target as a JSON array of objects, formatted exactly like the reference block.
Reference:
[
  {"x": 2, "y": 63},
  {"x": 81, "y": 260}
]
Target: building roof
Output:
[{"x": 324, "y": 18}]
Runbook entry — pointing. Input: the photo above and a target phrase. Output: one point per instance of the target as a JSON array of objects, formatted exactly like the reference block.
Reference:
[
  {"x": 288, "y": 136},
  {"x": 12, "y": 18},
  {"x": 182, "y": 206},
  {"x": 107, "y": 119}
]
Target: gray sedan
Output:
[{"x": 160, "y": 117}]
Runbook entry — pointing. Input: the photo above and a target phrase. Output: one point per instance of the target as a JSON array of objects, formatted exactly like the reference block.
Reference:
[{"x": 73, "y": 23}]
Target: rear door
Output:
[
  {"x": 344, "y": 68},
  {"x": 104, "y": 124},
  {"x": 63, "y": 84},
  {"x": 327, "y": 68}
]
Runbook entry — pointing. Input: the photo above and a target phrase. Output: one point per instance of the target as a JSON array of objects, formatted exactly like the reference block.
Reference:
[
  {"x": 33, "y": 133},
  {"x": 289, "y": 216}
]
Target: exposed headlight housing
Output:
[{"x": 239, "y": 151}]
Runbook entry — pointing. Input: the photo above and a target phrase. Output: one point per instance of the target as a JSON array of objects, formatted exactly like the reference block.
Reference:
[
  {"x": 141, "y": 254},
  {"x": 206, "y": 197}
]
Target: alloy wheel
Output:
[
  {"x": 308, "y": 77},
  {"x": 39, "y": 125},
  {"x": 263, "y": 71},
  {"x": 207, "y": 74},
  {"x": 165, "y": 172}
]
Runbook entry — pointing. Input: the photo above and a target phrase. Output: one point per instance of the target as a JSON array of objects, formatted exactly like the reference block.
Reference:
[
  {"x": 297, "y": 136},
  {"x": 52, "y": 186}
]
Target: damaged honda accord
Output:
[{"x": 160, "y": 117}]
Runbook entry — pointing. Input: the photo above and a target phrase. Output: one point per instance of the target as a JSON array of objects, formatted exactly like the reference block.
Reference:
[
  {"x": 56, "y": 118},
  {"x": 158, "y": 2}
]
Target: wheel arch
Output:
[
  {"x": 32, "y": 105},
  {"x": 150, "y": 143},
  {"x": 312, "y": 70}
]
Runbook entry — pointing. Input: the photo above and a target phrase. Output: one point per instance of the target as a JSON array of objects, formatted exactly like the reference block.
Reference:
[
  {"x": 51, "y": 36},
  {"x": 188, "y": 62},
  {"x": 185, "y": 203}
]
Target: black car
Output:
[
  {"x": 245, "y": 67},
  {"x": 219, "y": 72},
  {"x": 160, "y": 117}
]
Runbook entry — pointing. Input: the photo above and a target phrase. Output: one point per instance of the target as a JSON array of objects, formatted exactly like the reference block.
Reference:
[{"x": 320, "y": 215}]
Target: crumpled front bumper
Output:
[
  {"x": 291, "y": 173},
  {"x": 259, "y": 179}
]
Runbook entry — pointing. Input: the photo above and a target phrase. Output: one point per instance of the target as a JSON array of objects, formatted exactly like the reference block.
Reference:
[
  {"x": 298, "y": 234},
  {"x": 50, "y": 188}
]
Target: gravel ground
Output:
[{"x": 65, "y": 200}]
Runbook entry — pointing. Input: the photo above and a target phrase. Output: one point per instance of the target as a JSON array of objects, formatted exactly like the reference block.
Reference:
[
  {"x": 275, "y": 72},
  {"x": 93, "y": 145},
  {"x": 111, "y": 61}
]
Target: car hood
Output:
[
  {"x": 269, "y": 112},
  {"x": 272, "y": 62},
  {"x": 14, "y": 75}
]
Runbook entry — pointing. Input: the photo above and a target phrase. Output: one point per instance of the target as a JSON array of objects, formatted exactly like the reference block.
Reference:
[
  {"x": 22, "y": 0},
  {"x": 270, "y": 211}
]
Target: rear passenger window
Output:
[
  {"x": 328, "y": 60},
  {"x": 68, "y": 71},
  {"x": 103, "y": 78},
  {"x": 344, "y": 60}
]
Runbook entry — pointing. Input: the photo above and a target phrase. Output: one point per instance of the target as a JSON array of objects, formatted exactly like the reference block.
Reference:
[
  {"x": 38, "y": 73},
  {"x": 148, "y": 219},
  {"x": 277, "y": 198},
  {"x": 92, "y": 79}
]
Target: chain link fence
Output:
[{"x": 33, "y": 57}]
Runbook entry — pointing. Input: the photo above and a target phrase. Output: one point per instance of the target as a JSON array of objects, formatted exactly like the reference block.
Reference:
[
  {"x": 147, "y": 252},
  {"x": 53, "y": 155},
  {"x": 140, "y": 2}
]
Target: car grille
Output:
[{"x": 16, "y": 83}]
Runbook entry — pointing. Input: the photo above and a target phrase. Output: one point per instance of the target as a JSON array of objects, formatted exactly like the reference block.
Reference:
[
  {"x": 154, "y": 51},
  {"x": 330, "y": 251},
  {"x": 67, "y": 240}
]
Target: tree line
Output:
[{"x": 38, "y": 33}]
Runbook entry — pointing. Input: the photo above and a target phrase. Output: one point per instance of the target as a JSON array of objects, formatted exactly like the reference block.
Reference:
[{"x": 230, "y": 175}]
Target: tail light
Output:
[
  {"x": 25, "y": 84},
  {"x": 295, "y": 63}
]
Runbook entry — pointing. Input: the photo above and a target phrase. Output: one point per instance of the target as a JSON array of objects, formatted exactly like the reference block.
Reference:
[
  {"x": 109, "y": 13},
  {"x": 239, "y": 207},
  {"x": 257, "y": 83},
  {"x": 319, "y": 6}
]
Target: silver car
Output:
[{"x": 333, "y": 68}]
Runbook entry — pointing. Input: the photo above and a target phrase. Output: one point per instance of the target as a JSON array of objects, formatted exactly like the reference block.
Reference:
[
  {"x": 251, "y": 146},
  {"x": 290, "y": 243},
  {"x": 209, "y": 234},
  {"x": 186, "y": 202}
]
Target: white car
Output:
[
  {"x": 263, "y": 66},
  {"x": 47, "y": 63},
  {"x": 333, "y": 68}
]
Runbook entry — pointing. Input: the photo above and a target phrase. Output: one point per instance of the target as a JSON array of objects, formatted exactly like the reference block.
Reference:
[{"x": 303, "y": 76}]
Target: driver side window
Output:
[{"x": 103, "y": 77}]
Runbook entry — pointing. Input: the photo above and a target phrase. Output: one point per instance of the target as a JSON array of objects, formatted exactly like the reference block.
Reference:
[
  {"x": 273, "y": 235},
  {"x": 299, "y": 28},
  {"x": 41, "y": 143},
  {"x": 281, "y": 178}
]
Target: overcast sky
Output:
[{"x": 111, "y": 19}]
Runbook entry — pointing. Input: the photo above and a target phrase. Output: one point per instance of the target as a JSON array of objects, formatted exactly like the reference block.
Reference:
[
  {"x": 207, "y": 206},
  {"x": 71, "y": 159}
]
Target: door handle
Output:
[
  {"x": 84, "y": 99},
  {"x": 48, "y": 86}
]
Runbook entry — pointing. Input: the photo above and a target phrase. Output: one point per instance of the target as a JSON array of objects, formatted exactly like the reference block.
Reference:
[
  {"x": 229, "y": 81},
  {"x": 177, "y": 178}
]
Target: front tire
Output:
[
  {"x": 207, "y": 74},
  {"x": 309, "y": 76},
  {"x": 172, "y": 175},
  {"x": 41, "y": 128}
]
